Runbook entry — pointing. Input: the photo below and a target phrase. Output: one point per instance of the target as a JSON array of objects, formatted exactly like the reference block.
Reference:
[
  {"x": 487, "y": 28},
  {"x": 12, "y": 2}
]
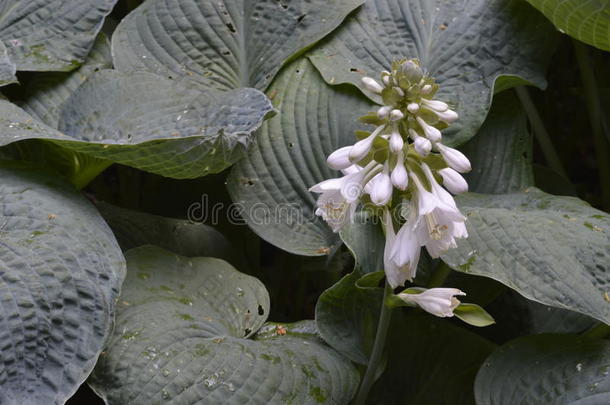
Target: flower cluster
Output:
[{"x": 402, "y": 161}]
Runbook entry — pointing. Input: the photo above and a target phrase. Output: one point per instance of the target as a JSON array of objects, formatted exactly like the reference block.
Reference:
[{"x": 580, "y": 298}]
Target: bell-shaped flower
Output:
[
  {"x": 454, "y": 158},
  {"x": 437, "y": 301},
  {"x": 396, "y": 275},
  {"x": 331, "y": 205},
  {"x": 339, "y": 159},
  {"x": 371, "y": 85},
  {"x": 406, "y": 249},
  {"x": 431, "y": 133},
  {"x": 453, "y": 181},
  {"x": 442, "y": 224}
]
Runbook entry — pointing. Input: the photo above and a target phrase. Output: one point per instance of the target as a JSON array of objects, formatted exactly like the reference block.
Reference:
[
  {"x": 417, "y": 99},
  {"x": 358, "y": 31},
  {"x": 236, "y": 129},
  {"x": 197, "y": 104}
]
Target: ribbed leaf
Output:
[
  {"x": 466, "y": 45},
  {"x": 154, "y": 124},
  {"x": 43, "y": 35},
  {"x": 47, "y": 92},
  {"x": 546, "y": 369},
  {"x": 271, "y": 182},
  {"x": 430, "y": 361},
  {"x": 7, "y": 67},
  {"x": 223, "y": 44},
  {"x": 550, "y": 249},
  {"x": 587, "y": 21},
  {"x": 182, "y": 338},
  {"x": 501, "y": 152},
  {"x": 60, "y": 274}
]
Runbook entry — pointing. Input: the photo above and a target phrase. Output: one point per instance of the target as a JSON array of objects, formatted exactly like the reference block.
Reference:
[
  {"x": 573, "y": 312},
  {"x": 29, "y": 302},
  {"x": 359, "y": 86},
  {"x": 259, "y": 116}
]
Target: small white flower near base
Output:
[{"x": 438, "y": 301}]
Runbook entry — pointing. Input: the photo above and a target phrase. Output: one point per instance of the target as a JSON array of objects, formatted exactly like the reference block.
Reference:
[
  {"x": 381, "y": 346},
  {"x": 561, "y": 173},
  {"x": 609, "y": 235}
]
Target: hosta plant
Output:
[{"x": 304, "y": 202}]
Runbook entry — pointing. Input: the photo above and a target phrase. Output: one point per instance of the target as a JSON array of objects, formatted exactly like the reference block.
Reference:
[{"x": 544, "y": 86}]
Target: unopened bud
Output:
[{"x": 372, "y": 85}]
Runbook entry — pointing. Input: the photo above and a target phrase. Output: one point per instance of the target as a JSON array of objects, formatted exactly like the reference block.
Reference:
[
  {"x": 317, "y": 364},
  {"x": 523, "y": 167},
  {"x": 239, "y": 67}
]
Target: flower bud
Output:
[
  {"x": 381, "y": 190},
  {"x": 372, "y": 85},
  {"x": 396, "y": 115},
  {"x": 448, "y": 116},
  {"x": 399, "y": 91},
  {"x": 435, "y": 105},
  {"x": 427, "y": 89},
  {"x": 339, "y": 159},
  {"x": 361, "y": 148},
  {"x": 412, "y": 71},
  {"x": 431, "y": 133},
  {"x": 396, "y": 142},
  {"x": 422, "y": 146},
  {"x": 413, "y": 108},
  {"x": 453, "y": 181},
  {"x": 400, "y": 177},
  {"x": 437, "y": 301},
  {"x": 384, "y": 112},
  {"x": 454, "y": 158}
]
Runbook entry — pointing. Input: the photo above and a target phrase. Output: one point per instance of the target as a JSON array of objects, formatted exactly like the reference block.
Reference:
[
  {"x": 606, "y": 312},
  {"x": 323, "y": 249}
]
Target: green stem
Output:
[
  {"x": 380, "y": 337},
  {"x": 602, "y": 148},
  {"x": 542, "y": 136},
  {"x": 439, "y": 276}
]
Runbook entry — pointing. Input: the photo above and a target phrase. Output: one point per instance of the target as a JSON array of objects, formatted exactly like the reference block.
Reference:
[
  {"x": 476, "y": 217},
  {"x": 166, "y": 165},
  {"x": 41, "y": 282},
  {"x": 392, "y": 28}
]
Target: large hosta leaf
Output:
[
  {"x": 289, "y": 156},
  {"x": 546, "y": 369},
  {"x": 60, "y": 274},
  {"x": 588, "y": 21},
  {"x": 466, "y": 45},
  {"x": 44, "y": 35},
  {"x": 501, "y": 152},
  {"x": 182, "y": 336},
  {"x": 554, "y": 250},
  {"x": 223, "y": 44},
  {"x": 148, "y": 122},
  {"x": 430, "y": 361}
]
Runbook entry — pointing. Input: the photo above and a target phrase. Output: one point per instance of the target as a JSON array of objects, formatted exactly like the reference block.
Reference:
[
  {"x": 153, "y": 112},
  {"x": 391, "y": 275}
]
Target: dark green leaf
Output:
[
  {"x": 223, "y": 44},
  {"x": 546, "y": 369},
  {"x": 182, "y": 337},
  {"x": 60, "y": 274},
  {"x": 465, "y": 45}
]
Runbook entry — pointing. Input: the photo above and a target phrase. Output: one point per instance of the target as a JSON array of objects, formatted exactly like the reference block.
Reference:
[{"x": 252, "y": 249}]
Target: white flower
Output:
[
  {"x": 396, "y": 275},
  {"x": 444, "y": 222},
  {"x": 435, "y": 105},
  {"x": 353, "y": 183},
  {"x": 426, "y": 89},
  {"x": 400, "y": 177},
  {"x": 339, "y": 159},
  {"x": 372, "y": 85},
  {"x": 431, "y": 133},
  {"x": 437, "y": 301},
  {"x": 361, "y": 148},
  {"x": 413, "y": 108},
  {"x": 453, "y": 181},
  {"x": 448, "y": 116},
  {"x": 396, "y": 142},
  {"x": 381, "y": 188},
  {"x": 331, "y": 205},
  {"x": 454, "y": 158},
  {"x": 406, "y": 249}
]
